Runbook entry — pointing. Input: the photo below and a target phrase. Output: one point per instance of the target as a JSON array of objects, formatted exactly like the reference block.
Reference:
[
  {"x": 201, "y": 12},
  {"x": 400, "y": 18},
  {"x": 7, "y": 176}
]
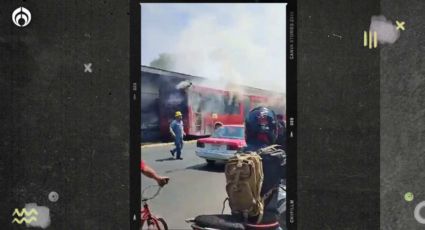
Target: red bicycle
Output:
[{"x": 149, "y": 220}]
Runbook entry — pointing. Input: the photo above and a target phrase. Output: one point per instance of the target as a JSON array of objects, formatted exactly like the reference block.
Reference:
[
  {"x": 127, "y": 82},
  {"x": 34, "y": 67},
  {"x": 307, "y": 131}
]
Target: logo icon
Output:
[
  {"x": 24, "y": 213},
  {"x": 369, "y": 37},
  {"x": 53, "y": 196},
  {"x": 417, "y": 212},
  {"x": 408, "y": 196},
  {"x": 21, "y": 17},
  {"x": 87, "y": 67},
  {"x": 400, "y": 25}
]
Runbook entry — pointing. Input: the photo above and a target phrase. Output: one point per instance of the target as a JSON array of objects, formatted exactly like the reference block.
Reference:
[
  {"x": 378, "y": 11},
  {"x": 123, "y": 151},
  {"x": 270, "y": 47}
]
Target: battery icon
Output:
[{"x": 370, "y": 37}]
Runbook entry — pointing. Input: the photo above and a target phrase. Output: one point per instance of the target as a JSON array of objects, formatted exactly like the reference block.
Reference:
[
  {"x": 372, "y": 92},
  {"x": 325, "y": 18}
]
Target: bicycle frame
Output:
[{"x": 146, "y": 216}]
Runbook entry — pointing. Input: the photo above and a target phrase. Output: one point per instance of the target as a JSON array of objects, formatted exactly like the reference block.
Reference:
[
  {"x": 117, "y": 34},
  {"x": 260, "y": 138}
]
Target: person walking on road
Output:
[{"x": 177, "y": 131}]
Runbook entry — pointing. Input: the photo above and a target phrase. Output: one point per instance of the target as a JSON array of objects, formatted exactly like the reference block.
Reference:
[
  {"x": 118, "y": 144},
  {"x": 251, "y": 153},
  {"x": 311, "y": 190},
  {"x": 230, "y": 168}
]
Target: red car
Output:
[{"x": 223, "y": 143}]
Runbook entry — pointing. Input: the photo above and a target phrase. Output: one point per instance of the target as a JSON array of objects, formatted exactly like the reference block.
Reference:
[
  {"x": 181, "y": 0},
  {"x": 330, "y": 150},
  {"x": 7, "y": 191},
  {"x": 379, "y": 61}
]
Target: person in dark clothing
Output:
[
  {"x": 281, "y": 138},
  {"x": 262, "y": 130}
]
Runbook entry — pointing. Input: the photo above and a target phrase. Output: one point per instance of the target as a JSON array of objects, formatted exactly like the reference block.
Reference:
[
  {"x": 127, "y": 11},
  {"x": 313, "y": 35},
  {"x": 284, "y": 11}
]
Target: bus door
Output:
[{"x": 196, "y": 105}]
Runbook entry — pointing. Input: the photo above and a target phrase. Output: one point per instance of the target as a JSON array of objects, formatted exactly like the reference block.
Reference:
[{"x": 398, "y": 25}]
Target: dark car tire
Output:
[{"x": 210, "y": 162}]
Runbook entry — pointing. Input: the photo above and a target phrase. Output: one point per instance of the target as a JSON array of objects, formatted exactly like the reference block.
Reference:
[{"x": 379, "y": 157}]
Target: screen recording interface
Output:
[
  {"x": 208, "y": 71},
  {"x": 208, "y": 126}
]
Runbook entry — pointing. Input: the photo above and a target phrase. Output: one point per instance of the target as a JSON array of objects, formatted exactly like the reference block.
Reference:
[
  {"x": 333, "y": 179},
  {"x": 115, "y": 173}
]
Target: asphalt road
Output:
[{"x": 194, "y": 187}]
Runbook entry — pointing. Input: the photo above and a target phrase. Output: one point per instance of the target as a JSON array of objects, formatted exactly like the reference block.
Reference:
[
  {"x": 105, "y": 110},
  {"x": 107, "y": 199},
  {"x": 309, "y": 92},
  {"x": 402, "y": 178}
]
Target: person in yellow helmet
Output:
[{"x": 177, "y": 131}]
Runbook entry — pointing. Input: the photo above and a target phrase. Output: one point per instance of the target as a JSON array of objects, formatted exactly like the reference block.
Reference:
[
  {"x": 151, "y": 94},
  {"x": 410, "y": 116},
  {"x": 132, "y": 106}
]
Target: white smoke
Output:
[
  {"x": 230, "y": 44},
  {"x": 387, "y": 32},
  {"x": 174, "y": 99},
  {"x": 183, "y": 85},
  {"x": 41, "y": 219}
]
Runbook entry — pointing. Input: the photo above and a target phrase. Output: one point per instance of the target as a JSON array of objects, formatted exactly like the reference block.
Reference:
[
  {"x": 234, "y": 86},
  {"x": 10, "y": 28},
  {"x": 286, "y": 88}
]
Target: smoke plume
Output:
[
  {"x": 164, "y": 61},
  {"x": 387, "y": 32},
  {"x": 229, "y": 44},
  {"x": 183, "y": 85}
]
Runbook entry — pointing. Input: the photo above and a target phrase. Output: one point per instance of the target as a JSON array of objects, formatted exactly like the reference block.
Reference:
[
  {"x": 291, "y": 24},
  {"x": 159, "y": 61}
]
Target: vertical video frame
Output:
[{"x": 213, "y": 112}]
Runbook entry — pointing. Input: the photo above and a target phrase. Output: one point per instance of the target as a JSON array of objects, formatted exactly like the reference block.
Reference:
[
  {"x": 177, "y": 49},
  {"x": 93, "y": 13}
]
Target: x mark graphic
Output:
[
  {"x": 400, "y": 25},
  {"x": 87, "y": 68}
]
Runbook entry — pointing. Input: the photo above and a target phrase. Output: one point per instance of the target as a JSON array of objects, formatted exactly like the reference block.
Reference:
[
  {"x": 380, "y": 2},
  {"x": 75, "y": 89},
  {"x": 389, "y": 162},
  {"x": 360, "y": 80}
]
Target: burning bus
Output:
[{"x": 203, "y": 107}]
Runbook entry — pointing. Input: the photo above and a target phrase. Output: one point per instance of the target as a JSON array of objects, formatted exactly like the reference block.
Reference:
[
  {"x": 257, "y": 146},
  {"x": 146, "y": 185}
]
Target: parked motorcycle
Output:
[{"x": 229, "y": 222}]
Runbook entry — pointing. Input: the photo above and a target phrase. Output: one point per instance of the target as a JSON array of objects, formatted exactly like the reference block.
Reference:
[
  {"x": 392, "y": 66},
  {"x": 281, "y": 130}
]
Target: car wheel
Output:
[{"x": 210, "y": 162}]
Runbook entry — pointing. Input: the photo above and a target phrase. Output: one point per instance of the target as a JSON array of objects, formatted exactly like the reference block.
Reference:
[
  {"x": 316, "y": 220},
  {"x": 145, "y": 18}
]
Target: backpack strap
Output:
[
  {"x": 260, "y": 216},
  {"x": 239, "y": 164},
  {"x": 268, "y": 194},
  {"x": 224, "y": 203},
  {"x": 268, "y": 148},
  {"x": 263, "y": 199},
  {"x": 273, "y": 150},
  {"x": 260, "y": 181}
]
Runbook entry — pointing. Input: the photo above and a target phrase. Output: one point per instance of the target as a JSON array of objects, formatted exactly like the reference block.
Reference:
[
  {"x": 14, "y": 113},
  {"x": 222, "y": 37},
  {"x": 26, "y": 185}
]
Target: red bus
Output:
[{"x": 202, "y": 108}]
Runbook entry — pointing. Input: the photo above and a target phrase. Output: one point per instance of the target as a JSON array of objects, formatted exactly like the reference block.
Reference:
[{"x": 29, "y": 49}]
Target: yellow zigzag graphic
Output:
[
  {"x": 24, "y": 211},
  {"x": 27, "y": 221}
]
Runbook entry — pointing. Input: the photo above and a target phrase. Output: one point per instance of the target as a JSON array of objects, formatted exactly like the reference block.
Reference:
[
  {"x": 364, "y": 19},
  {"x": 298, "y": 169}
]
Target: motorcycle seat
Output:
[{"x": 229, "y": 222}]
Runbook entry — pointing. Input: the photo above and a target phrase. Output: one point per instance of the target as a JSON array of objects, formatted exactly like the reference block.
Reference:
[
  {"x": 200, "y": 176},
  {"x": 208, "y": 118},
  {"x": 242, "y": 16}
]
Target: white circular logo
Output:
[
  {"x": 21, "y": 17},
  {"x": 417, "y": 213},
  {"x": 53, "y": 196}
]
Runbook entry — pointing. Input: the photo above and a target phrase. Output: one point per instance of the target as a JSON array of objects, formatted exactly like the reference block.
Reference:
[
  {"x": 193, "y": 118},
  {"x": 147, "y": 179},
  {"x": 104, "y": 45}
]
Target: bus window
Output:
[
  {"x": 195, "y": 100},
  {"x": 232, "y": 106},
  {"x": 212, "y": 104}
]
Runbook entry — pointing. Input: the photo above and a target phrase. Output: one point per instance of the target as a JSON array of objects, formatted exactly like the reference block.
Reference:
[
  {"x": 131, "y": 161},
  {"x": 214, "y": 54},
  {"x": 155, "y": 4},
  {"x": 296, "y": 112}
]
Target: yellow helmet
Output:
[{"x": 178, "y": 114}]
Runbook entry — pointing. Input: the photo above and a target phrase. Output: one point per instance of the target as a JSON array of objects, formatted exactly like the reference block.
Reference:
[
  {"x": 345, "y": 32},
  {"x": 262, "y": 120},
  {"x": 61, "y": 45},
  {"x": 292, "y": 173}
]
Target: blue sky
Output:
[{"x": 241, "y": 43}]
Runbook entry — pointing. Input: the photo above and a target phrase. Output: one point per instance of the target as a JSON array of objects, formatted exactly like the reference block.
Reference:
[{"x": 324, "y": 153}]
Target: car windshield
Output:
[{"x": 230, "y": 132}]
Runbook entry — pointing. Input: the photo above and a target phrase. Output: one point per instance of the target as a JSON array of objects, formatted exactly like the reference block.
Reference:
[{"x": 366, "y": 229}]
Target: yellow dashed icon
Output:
[
  {"x": 370, "y": 38},
  {"x": 24, "y": 213}
]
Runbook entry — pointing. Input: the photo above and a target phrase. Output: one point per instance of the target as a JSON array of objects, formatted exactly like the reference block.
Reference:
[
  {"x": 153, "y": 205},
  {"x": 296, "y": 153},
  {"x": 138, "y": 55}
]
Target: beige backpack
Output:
[{"x": 244, "y": 177}]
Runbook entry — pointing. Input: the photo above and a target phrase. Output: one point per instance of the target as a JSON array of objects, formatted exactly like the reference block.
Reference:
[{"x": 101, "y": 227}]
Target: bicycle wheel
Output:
[
  {"x": 162, "y": 222},
  {"x": 154, "y": 224}
]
